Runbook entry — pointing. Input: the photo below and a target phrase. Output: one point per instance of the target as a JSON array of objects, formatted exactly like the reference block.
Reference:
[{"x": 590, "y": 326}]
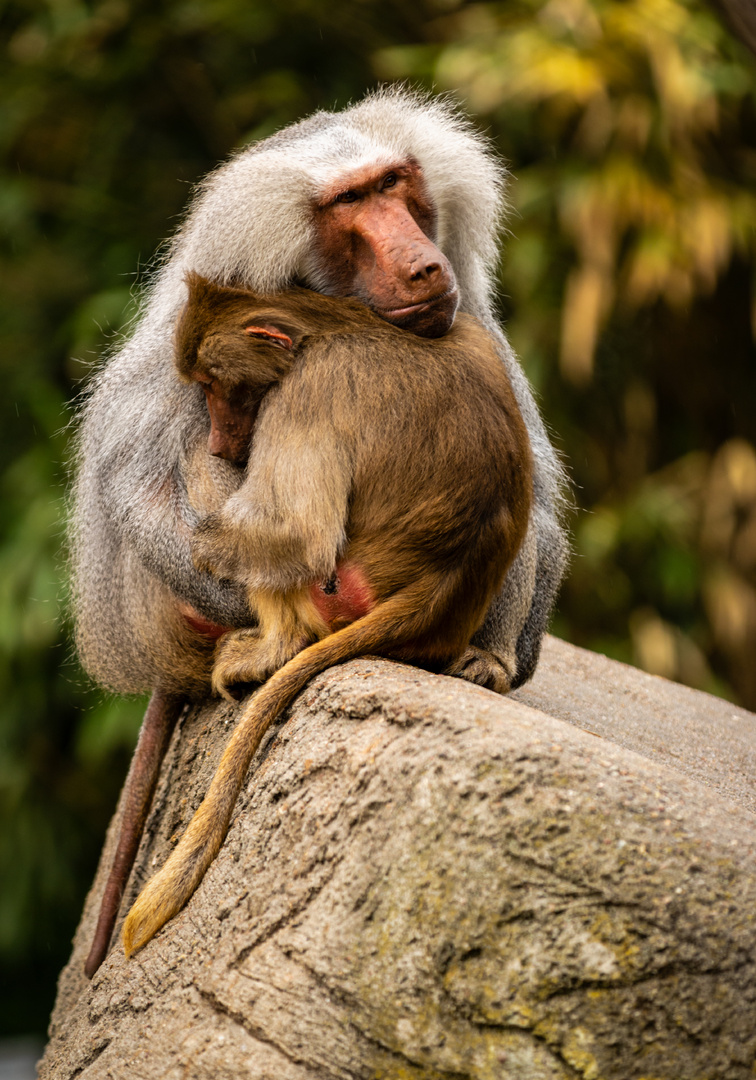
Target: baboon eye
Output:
[
  {"x": 389, "y": 181},
  {"x": 347, "y": 197}
]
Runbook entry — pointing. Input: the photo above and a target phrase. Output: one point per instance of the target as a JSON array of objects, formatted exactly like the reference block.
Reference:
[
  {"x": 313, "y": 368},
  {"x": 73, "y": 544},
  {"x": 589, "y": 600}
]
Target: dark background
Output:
[{"x": 627, "y": 287}]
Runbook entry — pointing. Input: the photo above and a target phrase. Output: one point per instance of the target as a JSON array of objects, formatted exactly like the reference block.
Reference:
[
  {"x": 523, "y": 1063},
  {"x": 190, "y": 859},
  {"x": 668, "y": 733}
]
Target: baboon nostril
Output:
[{"x": 424, "y": 272}]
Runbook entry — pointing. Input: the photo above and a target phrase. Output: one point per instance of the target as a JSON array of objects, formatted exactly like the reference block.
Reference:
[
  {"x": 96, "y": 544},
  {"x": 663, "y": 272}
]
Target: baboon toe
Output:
[{"x": 482, "y": 668}]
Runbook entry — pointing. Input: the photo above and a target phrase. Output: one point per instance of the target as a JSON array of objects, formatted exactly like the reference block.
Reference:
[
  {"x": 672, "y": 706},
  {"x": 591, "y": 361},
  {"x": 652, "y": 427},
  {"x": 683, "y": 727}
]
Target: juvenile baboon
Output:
[
  {"x": 396, "y": 201},
  {"x": 403, "y": 459}
]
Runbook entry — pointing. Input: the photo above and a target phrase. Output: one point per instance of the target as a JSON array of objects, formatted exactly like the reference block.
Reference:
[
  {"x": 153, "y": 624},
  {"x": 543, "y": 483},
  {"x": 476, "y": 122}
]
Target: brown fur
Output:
[{"x": 402, "y": 458}]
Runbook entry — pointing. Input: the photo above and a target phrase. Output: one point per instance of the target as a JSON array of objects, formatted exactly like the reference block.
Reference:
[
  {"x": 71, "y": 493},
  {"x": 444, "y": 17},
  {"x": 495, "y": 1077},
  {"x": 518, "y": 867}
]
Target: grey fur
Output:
[{"x": 250, "y": 225}]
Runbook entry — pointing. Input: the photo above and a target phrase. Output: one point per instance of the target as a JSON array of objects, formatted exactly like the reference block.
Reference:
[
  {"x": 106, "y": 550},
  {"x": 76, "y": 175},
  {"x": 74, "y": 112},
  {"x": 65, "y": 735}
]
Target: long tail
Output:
[
  {"x": 391, "y": 624},
  {"x": 157, "y": 728}
]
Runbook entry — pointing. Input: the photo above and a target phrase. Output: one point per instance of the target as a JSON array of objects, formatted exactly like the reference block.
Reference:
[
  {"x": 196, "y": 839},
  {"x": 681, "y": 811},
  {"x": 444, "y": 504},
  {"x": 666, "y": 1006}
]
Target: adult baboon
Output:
[{"x": 396, "y": 201}]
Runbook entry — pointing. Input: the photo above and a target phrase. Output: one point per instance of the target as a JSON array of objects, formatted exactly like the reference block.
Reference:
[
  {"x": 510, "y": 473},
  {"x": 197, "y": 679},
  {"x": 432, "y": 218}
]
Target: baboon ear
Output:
[{"x": 270, "y": 334}]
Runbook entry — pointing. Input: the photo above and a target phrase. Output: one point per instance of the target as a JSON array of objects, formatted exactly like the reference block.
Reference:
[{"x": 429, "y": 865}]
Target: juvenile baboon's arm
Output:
[
  {"x": 162, "y": 538},
  {"x": 286, "y": 525}
]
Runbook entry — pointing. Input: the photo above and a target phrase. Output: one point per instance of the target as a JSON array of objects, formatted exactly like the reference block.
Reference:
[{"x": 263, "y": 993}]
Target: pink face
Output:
[
  {"x": 374, "y": 230},
  {"x": 230, "y": 426},
  {"x": 232, "y": 418}
]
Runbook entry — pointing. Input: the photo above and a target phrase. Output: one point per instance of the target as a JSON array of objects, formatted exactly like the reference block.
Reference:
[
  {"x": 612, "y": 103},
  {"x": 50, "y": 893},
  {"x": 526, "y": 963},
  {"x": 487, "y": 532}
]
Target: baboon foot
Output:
[
  {"x": 482, "y": 668},
  {"x": 244, "y": 657}
]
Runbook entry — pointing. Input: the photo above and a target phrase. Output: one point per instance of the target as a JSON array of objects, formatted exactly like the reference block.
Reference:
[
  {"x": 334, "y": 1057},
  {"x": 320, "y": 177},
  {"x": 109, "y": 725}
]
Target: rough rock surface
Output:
[
  {"x": 423, "y": 880},
  {"x": 708, "y": 739}
]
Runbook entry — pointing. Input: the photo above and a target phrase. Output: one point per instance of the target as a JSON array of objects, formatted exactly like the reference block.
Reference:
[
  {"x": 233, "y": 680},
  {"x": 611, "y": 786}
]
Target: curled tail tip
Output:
[
  {"x": 128, "y": 947},
  {"x": 138, "y": 932},
  {"x": 135, "y": 932},
  {"x": 148, "y": 915}
]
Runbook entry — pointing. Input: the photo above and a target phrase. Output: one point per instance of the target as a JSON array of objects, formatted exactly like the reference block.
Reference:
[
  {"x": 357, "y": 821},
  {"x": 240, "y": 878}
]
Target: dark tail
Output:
[
  {"x": 391, "y": 628},
  {"x": 157, "y": 728}
]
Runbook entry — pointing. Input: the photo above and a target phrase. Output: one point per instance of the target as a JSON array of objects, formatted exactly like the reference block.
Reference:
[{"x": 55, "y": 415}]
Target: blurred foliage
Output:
[{"x": 627, "y": 288}]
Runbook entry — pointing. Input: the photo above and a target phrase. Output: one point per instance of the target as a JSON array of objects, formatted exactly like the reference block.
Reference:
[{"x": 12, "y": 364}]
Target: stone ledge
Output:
[
  {"x": 423, "y": 880},
  {"x": 708, "y": 739}
]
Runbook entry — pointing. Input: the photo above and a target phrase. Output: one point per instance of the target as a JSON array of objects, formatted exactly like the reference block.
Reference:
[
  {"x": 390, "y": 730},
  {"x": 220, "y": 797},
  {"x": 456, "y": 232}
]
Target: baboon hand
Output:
[
  {"x": 482, "y": 668},
  {"x": 213, "y": 548}
]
